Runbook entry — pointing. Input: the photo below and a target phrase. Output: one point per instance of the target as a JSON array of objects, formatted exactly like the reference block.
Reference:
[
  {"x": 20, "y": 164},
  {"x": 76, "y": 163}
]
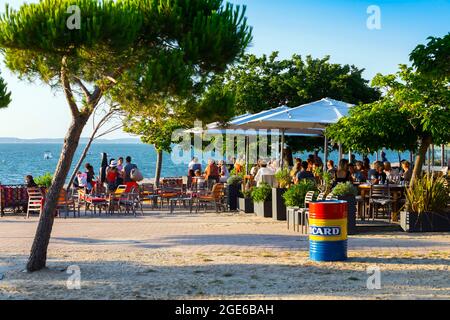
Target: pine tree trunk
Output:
[
  {"x": 159, "y": 159},
  {"x": 38, "y": 255},
  {"x": 420, "y": 158}
]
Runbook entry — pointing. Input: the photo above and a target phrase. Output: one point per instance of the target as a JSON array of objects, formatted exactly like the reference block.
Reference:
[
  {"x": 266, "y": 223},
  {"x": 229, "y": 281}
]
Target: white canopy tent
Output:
[{"x": 311, "y": 118}]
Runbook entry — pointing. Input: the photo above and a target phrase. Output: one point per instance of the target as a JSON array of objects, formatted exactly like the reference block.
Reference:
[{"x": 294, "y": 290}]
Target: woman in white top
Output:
[{"x": 224, "y": 173}]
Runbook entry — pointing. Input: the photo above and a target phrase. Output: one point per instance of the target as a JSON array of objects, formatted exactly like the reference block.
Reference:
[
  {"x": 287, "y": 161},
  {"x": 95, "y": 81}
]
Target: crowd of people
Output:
[
  {"x": 110, "y": 176},
  {"x": 117, "y": 172}
]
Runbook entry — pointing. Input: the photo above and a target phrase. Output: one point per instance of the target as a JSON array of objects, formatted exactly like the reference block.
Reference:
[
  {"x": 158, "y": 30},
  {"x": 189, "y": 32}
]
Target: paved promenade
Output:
[{"x": 214, "y": 256}]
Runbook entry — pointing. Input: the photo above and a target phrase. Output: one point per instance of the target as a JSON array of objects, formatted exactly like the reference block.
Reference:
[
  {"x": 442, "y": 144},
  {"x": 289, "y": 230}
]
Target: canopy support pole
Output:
[
  {"x": 443, "y": 155},
  {"x": 349, "y": 155},
  {"x": 282, "y": 148},
  {"x": 247, "y": 148},
  {"x": 325, "y": 154}
]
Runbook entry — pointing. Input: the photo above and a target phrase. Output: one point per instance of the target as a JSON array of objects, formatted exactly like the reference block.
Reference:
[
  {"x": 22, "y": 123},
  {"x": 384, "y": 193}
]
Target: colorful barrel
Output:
[{"x": 328, "y": 230}]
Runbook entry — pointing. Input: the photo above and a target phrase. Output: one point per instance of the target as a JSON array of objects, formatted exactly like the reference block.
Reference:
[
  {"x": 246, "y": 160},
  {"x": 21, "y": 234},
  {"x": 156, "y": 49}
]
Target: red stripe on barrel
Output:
[{"x": 328, "y": 210}]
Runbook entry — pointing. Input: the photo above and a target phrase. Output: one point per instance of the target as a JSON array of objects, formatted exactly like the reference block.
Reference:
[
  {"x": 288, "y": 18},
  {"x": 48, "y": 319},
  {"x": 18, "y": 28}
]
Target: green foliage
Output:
[
  {"x": 345, "y": 189},
  {"x": 44, "y": 180},
  {"x": 234, "y": 180},
  {"x": 247, "y": 194},
  {"x": 262, "y": 83},
  {"x": 295, "y": 195},
  {"x": 427, "y": 194},
  {"x": 283, "y": 177},
  {"x": 266, "y": 82},
  {"x": 433, "y": 59},
  {"x": 5, "y": 96},
  {"x": 262, "y": 193},
  {"x": 414, "y": 107}
]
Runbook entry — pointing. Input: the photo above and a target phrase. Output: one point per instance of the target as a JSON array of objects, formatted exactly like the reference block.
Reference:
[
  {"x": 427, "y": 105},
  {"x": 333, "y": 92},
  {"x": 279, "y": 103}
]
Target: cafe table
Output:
[{"x": 396, "y": 191}]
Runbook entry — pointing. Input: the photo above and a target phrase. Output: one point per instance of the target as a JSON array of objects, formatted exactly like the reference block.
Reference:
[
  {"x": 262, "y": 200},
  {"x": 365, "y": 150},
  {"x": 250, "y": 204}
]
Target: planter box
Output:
[
  {"x": 233, "y": 194},
  {"x": 263, "y": 209},
  {"x": 351, "y": 225},
  {"x": 246, "y": 205},
  {"x": 278, "y": 207},
  {"x": 427, "y": 222}
]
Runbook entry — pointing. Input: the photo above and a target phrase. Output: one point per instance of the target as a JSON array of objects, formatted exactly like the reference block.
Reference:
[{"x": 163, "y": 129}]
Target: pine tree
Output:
[{"x": 90, "y": 46}]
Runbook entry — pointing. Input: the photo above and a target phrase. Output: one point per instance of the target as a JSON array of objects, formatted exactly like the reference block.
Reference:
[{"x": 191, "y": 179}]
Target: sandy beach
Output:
[{"x": 210, "y": 256}]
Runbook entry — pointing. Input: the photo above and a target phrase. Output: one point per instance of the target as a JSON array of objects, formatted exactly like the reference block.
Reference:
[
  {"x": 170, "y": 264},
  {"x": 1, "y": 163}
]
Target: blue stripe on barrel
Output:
[{"x": 323, "y": 251}]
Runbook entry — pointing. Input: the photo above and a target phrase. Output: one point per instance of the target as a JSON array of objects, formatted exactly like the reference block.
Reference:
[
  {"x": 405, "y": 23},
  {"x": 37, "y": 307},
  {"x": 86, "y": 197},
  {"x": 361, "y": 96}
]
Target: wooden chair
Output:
[
  {"x": 35, "y": 201},
  {"x": 215, "y": 196},
  {"x": 66, "y": 202}
]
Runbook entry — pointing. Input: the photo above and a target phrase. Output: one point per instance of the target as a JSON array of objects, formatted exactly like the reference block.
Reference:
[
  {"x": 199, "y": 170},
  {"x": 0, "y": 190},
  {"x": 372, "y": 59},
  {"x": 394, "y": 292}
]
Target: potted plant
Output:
[
  {"x": 44, "y": 181},
  {"x": 233, "y": 187},
  {"x": 278, "y": 207},
  {"x": 348, "y": 192},
  {"x": 426, "y": 206},
  {"x": 246, "y": 202},
  {"x": 294, "y": 198},
  {"x": 262, "y": 199}
]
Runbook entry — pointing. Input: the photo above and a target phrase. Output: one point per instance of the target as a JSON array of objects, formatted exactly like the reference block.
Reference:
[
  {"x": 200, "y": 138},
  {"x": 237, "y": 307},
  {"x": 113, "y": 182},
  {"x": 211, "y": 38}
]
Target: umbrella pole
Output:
[
  {"x": 282, "y": 148},
  {"x": 340, "y": 151},
  {"x": 325, "y": 154}
]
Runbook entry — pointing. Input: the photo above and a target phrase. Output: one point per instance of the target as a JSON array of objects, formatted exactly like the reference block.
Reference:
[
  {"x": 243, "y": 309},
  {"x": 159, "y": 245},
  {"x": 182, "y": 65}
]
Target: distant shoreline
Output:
[{"x": 61, "y": 140}]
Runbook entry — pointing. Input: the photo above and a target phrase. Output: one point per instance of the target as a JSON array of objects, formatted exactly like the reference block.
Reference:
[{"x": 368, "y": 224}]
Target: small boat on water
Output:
[{"x": 48, "y": 155}]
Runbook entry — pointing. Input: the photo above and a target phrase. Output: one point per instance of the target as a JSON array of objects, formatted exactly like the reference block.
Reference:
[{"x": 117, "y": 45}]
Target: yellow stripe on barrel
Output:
[{"x": 328, "y": 230}]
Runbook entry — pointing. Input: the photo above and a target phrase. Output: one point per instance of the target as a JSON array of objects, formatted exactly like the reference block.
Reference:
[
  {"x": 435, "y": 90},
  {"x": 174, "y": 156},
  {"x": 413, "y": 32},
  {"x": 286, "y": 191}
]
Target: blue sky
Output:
[{"x": 316, "y": 27}]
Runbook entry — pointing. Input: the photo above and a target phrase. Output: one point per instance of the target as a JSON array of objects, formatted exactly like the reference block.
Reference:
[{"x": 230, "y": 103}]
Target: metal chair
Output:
[{"x": 380, "y": 197}]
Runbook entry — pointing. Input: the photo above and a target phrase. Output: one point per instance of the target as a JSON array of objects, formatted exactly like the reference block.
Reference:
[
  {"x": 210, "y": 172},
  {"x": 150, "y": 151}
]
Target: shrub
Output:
[
  {"x": 427, "y": 194},
  {"x": 262, "y": 193},
  {"x": 284, "y": 178},
  {"x": 295, "y": 195},
  {"x": 344, "y": 189},
  {"x": 247, "y": 194},
  {"x": 44, "y": 180},
  {"x": 234, "y": 180}
]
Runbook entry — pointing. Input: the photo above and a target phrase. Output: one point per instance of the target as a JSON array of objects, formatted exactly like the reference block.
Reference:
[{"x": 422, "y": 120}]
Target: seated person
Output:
[
  {"x": 360, "y": 174},
  {"x": 29, "y": 181},
  {"x": 407, "y": 172},
  {"x": 379, "y": 177},
  {"x": 342, "y": 174},
  {"x": 304, "y": 173},
  {"x": 264, "y": 171}
]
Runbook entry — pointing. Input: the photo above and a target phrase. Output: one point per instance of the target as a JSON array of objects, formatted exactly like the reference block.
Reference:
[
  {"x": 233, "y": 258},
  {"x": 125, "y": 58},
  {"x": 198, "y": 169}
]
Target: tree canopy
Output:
[
  {"x": 262, "y": 83},
  {"x": 114, "y": 41},
  {"x": 268, "y": 82},
  {"x": 413, "y": 114},
  {"x": 5, "y": 96},
  {"x": 433, "y": 59}
]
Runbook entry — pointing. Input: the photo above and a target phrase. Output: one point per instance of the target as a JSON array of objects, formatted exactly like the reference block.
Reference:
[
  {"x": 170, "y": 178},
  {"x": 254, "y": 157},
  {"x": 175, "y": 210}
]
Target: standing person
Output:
[
  {"x": 127, "y": 170},
  {"x": 120, "y": 177},
  {"x": 194, "y": 166},
  {"x": 90, "y": 176},
  {"x": 111, "y": 176}
]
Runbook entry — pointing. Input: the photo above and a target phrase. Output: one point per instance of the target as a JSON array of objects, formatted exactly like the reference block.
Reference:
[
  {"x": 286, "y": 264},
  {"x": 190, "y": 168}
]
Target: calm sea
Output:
[{"x": 18, "y": 160}]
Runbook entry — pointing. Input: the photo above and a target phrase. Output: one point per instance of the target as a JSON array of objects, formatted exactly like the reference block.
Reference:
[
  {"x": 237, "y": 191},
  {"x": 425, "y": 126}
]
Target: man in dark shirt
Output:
[
  {"x": 127, "y": 169},
  {"x": 304, "y": 174}
]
